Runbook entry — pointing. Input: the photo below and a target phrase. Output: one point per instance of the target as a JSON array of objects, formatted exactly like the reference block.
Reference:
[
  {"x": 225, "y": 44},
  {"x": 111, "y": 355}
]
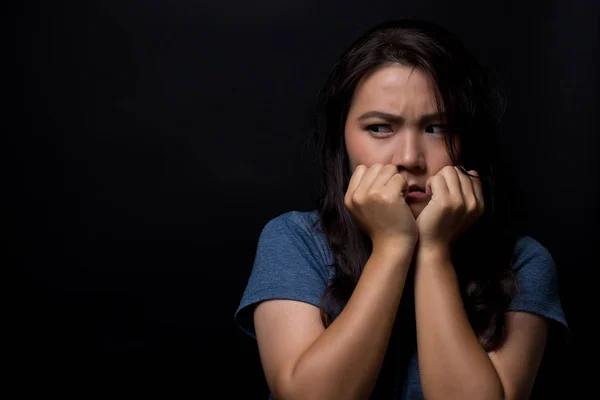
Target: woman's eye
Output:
[
  {"x": 435, "y": 129},
  {"x": 379, "y": 129}
]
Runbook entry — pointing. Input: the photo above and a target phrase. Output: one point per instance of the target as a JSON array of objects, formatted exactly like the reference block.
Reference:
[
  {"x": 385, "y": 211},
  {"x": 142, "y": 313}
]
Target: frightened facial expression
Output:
[{"x": 393, "y": 119}]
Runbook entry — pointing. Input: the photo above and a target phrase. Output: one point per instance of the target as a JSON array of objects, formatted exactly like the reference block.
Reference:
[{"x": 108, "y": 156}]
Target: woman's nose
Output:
[{"x": 409, "y": 154}]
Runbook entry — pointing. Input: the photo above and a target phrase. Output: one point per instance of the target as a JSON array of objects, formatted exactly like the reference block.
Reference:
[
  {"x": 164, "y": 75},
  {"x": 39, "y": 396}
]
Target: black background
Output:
[{"x": 150, "y": 141}]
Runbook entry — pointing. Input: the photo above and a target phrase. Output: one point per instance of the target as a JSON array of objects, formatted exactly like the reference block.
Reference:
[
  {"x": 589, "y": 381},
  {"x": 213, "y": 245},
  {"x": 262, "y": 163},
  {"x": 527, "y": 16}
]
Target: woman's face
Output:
[{"x": 393, "y": 120}]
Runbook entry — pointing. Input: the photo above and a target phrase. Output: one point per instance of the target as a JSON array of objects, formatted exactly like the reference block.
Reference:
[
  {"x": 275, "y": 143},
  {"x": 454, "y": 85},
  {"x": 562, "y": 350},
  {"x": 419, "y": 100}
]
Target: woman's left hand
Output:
[{"x": 456, "y": 202}]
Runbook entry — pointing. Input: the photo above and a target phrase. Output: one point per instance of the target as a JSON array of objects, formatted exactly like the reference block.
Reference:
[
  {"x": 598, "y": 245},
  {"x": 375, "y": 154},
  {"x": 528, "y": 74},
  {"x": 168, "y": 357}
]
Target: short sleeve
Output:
[
  {"x": 537, "y": 280},
  {"x": 288, "y": 264}
]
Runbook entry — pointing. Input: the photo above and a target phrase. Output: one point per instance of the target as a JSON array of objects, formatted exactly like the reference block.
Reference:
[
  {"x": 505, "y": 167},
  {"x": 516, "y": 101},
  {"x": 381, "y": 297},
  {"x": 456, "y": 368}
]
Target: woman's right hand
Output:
[{"x": 375, "y": 198}]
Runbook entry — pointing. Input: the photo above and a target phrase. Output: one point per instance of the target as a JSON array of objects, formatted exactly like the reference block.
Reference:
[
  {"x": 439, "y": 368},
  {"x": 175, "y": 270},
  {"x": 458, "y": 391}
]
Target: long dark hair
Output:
[{"x": 474, "y": 105}]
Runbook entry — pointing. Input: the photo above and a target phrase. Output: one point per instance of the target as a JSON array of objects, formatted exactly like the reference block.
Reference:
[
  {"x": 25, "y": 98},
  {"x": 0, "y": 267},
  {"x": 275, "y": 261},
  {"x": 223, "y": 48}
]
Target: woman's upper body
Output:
[
  {"x": 415, "y": 251},
  {"x": 293, "y": 261}
]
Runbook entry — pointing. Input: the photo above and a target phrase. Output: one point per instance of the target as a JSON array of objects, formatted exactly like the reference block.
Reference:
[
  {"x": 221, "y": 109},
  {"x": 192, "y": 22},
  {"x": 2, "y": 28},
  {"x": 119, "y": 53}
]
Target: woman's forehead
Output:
[{"x": 398, "y": 90}]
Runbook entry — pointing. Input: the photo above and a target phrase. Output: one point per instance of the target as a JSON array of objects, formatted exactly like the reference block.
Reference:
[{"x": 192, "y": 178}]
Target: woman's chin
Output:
[{"x": 416, "y": 208}]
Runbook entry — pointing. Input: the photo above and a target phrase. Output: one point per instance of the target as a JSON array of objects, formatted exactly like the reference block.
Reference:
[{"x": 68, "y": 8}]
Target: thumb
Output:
[{"x": 428, "y": 186}]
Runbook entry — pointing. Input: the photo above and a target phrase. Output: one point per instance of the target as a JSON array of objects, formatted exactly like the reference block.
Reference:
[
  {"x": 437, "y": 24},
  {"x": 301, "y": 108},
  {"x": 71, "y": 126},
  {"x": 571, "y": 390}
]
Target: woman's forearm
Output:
[
  {"x": 344, "y": 362},
  {"x": 452, "y": 362}
]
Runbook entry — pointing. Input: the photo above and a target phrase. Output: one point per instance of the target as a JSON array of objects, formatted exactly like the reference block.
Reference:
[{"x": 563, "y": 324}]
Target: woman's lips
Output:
[{"x": 417, "y": 196}]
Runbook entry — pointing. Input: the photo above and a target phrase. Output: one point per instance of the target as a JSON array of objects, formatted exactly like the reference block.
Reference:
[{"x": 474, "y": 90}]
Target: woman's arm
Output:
[
  {"x": 303, "y": 360},
  {"x": 452, "y": 362}
]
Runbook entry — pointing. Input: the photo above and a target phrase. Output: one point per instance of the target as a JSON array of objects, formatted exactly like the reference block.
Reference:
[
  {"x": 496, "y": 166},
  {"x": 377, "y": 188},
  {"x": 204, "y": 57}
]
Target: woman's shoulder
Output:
[
  {"x": 293, "y": 219},
  {"x": 537, "y": 280},
  {"x": 300, "y": 228},
  {"x": 534, "y": 265},
  {"x": 527, "y": 250},
  {"x": 290, "y": 263}
]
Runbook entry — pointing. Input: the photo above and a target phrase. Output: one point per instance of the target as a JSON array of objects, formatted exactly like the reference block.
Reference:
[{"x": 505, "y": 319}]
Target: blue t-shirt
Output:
[{"x": 293, "y": 262}]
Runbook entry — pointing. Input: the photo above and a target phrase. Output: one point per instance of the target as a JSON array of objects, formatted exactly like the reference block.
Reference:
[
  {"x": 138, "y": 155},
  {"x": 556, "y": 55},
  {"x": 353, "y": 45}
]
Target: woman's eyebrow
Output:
[{"x": 426, "y": 118}]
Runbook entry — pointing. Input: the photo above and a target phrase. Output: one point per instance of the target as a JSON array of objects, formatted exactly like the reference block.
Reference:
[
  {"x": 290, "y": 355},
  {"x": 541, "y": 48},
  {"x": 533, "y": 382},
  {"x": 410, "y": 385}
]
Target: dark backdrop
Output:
[{"x": 150, "y": 141}]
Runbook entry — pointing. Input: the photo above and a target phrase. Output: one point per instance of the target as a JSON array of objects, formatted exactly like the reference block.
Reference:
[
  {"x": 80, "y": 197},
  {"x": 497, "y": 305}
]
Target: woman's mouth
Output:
[{"x": 416, "y": 195}]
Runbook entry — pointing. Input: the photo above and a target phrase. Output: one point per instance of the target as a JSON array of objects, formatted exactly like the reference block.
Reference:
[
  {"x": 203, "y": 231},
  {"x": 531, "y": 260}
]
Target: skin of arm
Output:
[
  {"x": 452, "y": 362},
  {"x": 303, "y": 360}
]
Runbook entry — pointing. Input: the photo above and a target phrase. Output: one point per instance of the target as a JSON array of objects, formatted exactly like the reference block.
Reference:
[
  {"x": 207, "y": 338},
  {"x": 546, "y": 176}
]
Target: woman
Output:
[{"x": 409, "y": 280}]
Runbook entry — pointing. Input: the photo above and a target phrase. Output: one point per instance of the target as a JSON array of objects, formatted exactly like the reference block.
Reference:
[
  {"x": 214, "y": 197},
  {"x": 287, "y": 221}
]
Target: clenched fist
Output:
[
  {"x": 375, "y": 198},
  {"x": 456, "y": 202}
]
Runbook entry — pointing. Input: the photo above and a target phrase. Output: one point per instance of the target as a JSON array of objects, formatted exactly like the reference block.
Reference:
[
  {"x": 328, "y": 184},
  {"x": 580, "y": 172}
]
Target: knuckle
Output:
[
  {"x": 445, "y": 205},
  {"x": 471, "y": 211},
  {"x": 357, "y": 199},
  {"x": 386, "y": 197},
  {"x": 472, "y": 206},
  {"x": 373, "y": 194},
  {"x": 348, "y": 201},
  {"x": 459, "y": 205}
]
